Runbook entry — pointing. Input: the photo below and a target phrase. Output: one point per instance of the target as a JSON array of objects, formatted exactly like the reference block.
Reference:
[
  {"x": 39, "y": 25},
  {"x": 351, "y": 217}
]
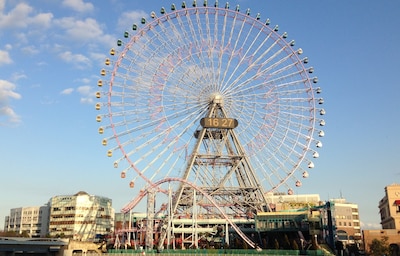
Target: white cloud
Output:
[
  {"x": 4, "y": 58},
  {"x": 8, "y": 113},
  {"x": 6, "y": 93},
  {"x": 30, "y": 50},
  {"x": 20, "y": 17},
  {"x": 86, "y": 80},
  {"x": 127, "y": 19},
  {"x": 78, "y": 5},
  {"x": 17, "y": 76},
  {"x": 85, "y": 90},
  {"x": 370, "y": 225},
  {"x": 86, "y": 93},
  {"x": 80, "y": 30},
  {"x": 67, "y": 91},
  {"x": 78, "y": 60}
]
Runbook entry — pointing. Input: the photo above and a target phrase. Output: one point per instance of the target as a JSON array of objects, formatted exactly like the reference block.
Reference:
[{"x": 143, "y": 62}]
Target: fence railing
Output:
[{"x": 222, "y": 252}]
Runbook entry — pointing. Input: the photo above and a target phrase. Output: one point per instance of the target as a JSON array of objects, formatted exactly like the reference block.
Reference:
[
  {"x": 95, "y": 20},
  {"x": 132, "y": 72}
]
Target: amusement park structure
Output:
[{"x": 207, "y": 109}]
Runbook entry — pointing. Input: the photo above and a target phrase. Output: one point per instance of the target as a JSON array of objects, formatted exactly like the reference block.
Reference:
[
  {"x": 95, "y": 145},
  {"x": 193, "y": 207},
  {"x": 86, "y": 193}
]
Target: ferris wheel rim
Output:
[{"x": 286, "y": 47}]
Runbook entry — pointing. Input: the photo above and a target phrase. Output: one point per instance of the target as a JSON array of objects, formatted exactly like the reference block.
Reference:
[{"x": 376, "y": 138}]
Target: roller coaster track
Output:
[{"x": 144, "y": 192}]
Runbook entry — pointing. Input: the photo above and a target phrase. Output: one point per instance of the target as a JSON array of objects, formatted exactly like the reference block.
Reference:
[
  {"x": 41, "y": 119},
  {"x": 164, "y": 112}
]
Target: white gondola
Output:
[{"x": 300, "y": 51}]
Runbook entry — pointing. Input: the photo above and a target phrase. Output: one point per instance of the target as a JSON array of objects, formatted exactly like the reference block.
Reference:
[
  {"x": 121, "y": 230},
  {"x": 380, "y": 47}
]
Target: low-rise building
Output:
[
  {"x": 30, "y": 221},
  {"x": 346, "y": 221}
]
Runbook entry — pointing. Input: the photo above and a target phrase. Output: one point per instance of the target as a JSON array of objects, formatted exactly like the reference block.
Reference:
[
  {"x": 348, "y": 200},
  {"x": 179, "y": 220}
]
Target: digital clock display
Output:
[{"x": 220, "y": 123}]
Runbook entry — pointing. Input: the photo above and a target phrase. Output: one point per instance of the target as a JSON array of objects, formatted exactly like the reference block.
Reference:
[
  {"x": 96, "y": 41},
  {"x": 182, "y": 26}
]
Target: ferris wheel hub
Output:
[{"x": 217, "y": 98}]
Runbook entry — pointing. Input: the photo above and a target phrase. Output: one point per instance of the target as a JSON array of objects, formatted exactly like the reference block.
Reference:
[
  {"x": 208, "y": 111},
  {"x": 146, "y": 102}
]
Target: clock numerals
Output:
[{"x": 220, "y": 123}]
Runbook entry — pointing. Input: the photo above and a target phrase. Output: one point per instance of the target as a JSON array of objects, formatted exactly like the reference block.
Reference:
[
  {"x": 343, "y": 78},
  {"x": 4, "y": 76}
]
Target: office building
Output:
[
  {"x": 346, "y": 221},
  {"x": 80, "y": 216},
  {"x": 28, "y": 221}
]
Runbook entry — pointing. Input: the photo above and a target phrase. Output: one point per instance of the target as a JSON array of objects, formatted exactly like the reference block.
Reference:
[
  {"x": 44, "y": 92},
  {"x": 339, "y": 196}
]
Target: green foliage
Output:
[{"x": 379, "y": 247}]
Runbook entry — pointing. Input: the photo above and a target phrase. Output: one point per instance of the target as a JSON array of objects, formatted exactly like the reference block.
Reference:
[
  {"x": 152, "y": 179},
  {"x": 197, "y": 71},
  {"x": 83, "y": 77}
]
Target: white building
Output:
[
  {"x": 32, "y": 221},
  {"x": 81, "y": 216}
]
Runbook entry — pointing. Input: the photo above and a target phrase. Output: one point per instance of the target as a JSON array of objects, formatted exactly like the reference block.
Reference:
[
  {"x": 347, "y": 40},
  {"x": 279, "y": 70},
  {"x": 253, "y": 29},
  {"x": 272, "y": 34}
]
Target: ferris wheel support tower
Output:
[{"x": 219, "y": 155}]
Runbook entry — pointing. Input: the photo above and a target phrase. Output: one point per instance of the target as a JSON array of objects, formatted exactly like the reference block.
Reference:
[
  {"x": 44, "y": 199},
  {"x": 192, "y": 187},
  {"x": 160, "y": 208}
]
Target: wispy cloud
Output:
[
  {"x": 370, "y": 226},
  {"x": 126, "y": 19},
  {"x": 78, "y": 5},
  {"x": 7, "y": 92},
  {"x": 87, "y": 94},
  {"x": 85, "y": 91},
  {"x": 67, "y": 91},
  {"x": 78, "y": 60},
  {"x": 5, "y": 58}
]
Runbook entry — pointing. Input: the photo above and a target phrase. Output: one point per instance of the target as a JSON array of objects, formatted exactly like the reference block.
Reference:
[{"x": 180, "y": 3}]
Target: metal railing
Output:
[{"x": 222, "y": 252}]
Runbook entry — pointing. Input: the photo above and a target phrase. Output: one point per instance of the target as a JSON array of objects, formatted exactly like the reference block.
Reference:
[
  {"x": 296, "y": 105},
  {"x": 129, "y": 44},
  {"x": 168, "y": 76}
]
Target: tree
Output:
[{"x": 379, "y": 247}]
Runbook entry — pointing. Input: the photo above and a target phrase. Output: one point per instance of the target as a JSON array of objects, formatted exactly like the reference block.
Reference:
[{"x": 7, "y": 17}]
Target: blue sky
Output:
[{"x": 51, "y": 53}]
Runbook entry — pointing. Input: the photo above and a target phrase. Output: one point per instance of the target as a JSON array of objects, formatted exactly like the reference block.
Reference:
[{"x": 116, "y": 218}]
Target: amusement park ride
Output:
[{"x": 208, "y": 109}]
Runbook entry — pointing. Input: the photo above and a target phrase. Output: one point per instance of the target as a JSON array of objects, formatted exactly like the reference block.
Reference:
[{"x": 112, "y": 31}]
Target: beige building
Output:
[
  {"x": 346, "y": 220},
  {"x": 389, "y": 207},
  {"x": 81, "y": 216},
  {"x": 282, "y": 202},
  {"x": 32, "y": 221}
]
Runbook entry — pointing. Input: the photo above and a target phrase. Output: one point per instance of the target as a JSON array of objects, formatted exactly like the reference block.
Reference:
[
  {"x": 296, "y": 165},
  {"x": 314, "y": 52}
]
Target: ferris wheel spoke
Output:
[
  {"x": 232, "y": 50},
  {"x": 197, "y": 38},
  {"x": 263, "y": 73},
  {"x": 246, "y": 58}
]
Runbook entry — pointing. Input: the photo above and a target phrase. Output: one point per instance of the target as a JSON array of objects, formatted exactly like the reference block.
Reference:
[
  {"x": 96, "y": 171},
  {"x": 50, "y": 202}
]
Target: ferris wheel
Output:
[{"x": 177, "y": 69}]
